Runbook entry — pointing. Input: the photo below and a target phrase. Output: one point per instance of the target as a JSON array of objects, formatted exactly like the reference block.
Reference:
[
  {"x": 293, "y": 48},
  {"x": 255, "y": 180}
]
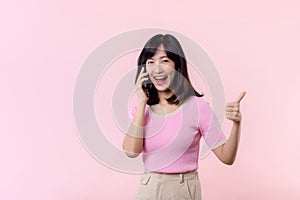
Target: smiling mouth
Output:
[{"x": 160, "y": 80}]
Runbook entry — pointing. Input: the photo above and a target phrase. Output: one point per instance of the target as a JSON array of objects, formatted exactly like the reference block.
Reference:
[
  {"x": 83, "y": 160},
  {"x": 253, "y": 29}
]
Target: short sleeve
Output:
[
  {"x": 131, "y": 113},
  {"x": 209, "y": 126}
]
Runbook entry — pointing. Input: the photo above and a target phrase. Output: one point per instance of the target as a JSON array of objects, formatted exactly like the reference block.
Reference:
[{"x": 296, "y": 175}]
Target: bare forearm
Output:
[
  {"x": 231, "y": 146},
  {"x": 133, "y": 141},
  {"x": 227, "y": 152}
]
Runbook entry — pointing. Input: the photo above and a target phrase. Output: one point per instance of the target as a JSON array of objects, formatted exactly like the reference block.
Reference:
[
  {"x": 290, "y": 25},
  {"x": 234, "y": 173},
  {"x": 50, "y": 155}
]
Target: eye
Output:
[
  {"x": 165, "y": 60},
  {"x": 150, "y": 62}
]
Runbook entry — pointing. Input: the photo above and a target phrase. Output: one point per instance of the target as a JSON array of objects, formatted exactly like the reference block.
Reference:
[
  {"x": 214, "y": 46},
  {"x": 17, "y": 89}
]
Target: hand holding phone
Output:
[{"x": 146, "y": 85}]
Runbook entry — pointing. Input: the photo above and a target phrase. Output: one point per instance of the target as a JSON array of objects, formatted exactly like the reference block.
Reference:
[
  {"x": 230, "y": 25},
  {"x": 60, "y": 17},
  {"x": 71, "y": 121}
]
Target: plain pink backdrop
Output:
[{"x": 254, "y": 45}]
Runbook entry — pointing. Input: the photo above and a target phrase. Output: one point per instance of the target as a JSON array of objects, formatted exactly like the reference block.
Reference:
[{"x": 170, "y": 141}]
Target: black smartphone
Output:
[{"x": 146, "y": 85}]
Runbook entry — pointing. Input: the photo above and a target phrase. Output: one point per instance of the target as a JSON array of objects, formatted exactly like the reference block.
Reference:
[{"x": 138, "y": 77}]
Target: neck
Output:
[{"x": 163, "y": 96}]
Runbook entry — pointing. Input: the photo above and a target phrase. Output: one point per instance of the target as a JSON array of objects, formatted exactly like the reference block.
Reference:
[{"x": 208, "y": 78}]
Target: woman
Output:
[{"x": 168, "y": 122}]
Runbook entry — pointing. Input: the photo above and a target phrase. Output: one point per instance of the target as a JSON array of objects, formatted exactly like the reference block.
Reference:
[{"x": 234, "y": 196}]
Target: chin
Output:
[{"x": 160, "y": 88}]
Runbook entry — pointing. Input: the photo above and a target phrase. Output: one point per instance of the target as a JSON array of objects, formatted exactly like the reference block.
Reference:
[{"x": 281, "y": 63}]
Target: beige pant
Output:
[{"x": 160, "y": 186}]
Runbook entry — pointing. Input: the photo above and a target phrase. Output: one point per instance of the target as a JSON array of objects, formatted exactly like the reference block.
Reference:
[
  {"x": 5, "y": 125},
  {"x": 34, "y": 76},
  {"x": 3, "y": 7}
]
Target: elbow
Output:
[
  {"x": 131, "y": 154},
  {"x": 228, "y": 162},
  {"x": 132, "y": 148}
]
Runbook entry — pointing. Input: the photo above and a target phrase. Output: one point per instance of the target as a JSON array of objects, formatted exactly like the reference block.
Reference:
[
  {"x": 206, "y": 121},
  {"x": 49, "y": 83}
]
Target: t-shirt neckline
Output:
[{"x": 171, "y": 113}]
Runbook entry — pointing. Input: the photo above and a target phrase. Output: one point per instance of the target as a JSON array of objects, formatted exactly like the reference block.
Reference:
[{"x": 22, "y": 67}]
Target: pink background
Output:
[{"x": 254, "y": 45}]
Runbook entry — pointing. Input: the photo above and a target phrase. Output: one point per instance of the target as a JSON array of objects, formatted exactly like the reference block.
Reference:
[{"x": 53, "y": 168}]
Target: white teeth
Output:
[{"x": 160, "y": 77}]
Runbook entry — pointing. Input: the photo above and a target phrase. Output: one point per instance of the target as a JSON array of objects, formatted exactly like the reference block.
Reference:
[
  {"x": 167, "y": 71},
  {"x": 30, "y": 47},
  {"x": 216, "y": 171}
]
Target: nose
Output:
[{"x": 158, "y": 68}]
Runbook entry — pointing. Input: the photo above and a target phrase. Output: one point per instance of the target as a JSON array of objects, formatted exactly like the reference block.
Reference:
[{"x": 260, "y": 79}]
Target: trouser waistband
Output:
[{"x": 181, "y": 177}]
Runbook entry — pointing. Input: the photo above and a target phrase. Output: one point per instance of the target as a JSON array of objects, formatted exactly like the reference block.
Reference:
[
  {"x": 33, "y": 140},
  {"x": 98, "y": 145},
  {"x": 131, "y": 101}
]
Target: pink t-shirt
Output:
[{"x": 171, "y": 142}]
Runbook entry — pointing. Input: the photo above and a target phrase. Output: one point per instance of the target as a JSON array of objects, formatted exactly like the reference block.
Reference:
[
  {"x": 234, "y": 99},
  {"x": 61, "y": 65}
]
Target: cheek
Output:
[
  {"x": 172, "y": 76},
  {"x": 149, "y": 70},
  {"x": 170, "y": 69}
]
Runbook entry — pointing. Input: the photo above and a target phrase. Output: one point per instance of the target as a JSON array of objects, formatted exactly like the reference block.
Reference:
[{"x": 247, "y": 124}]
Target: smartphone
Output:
[{"x": 146, "y": 85}]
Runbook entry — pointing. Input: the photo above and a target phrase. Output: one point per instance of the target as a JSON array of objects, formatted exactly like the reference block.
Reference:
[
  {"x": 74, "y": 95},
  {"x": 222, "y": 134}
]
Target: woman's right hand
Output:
[{"x": 142, "y": 97}]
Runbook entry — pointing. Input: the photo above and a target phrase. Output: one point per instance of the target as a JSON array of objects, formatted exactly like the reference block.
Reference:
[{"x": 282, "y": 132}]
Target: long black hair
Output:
[{"x": 181, "y": 85}]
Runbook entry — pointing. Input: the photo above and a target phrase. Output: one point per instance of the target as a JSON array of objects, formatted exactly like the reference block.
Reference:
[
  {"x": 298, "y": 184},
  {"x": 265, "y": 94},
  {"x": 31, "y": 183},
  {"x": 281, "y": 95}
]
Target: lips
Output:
[
  {"x": 160, "y": 80},
  {"x": 160, "y": 77}
]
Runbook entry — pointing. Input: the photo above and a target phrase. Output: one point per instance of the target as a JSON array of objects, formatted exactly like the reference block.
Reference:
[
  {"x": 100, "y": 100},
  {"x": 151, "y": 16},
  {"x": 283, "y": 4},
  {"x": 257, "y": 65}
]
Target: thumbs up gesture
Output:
[{"x": 233, "y": 109}]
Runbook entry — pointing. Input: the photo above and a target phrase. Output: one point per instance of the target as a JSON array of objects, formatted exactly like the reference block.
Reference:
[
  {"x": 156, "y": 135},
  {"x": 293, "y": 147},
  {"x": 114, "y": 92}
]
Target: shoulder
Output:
[
  {"x": 198, "y": 100},
  {"x": 196, "y": 105},
  {"x": 203, "y": 106}
]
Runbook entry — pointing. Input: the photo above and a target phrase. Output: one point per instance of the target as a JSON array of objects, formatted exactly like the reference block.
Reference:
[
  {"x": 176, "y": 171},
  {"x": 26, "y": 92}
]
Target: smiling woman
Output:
[
  {"x": 168, "y": 122},
  {"x": 161, "y": 69},
  {"x": 165, "y": 62}
]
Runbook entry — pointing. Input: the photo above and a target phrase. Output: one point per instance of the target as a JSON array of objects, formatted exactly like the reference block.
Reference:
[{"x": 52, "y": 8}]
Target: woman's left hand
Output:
[{"x": 233, "y": 109}]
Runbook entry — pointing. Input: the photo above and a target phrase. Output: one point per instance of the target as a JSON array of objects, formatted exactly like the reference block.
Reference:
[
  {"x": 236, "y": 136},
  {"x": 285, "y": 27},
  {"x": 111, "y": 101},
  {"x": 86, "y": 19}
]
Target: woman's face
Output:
[{"x": 161, "y": 69}]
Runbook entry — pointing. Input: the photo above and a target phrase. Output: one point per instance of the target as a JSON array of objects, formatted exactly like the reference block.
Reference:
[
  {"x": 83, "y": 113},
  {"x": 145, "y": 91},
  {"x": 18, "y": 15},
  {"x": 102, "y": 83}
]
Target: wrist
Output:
[
  {"x": 237, "y": 123},
  {"x": 142, "y": 103}
]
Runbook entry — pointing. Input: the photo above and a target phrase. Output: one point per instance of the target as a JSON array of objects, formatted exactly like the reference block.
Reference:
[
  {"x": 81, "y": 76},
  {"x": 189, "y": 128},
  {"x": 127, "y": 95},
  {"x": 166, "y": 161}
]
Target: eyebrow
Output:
[{"x": 159, "y": 57}]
